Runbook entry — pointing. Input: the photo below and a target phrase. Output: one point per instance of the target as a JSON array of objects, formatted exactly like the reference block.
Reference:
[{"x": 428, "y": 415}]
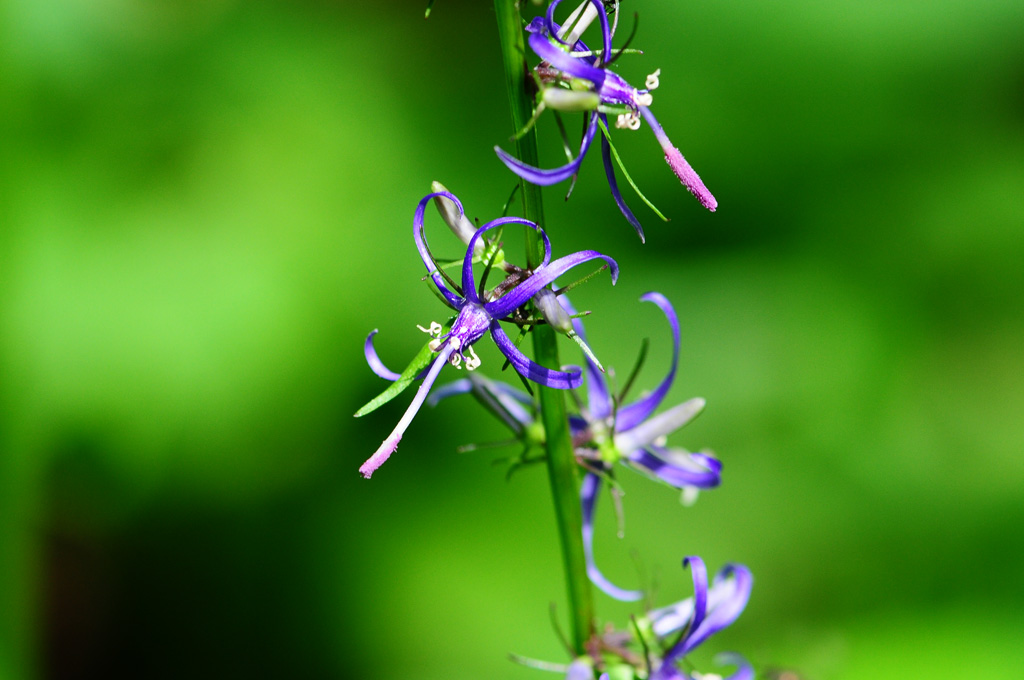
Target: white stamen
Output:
[
  {"x": 652, "y": 80},
  {"x": 645, "y": 99},
  {"x": 472, "y": 361},
  {"x": 434, "y": 330},
  {"x": 628, "y": 120},
  {"x": 589, "y": 14},
  {"x": 455, "y": 360},
  {"x": 434, "y": 344}
]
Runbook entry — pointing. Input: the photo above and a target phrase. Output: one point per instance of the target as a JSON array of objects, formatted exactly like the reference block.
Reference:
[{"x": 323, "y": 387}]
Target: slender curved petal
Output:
[
  {"x": 468, "y": 285},
  {"x": 609, "y": 171},
  {"x": 738, "y": 580},
  {"x": 564, "y": 61},
  {"x": 632, "y": 415},
  {"x": 598, "y": 400},
  {"x": 743, "y": 669},
  {"x": 506, "y": 304},
  {"x": 421, "y": 245},
  {"x": 679, "y": 468},
  {"x": 530, "y": 369},
  {"x": 700, "y": 590},
  {"x": 606, "y": 33},
  {"x": 667, "y": 621},
  {"x": 588, "y": 499},
  {"x": 545, "y": 178},
  {"x": 376, "y": 365}
]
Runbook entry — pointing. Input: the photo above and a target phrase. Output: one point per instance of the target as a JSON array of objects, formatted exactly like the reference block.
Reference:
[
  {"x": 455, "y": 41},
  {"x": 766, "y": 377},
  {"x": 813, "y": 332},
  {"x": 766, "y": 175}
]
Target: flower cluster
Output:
[
  {"x": 608, "y": 430},
  {"x": 606, "y": 433},
  {"x": 663, "y": 637}
]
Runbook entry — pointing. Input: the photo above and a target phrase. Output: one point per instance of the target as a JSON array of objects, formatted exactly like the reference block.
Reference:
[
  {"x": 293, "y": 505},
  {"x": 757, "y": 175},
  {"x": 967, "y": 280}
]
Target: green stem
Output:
[{"x": 561, "y": 459}]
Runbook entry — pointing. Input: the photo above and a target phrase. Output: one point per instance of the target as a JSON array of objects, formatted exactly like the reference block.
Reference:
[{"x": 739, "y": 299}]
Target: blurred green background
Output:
[{"x": 205, "y": 206}]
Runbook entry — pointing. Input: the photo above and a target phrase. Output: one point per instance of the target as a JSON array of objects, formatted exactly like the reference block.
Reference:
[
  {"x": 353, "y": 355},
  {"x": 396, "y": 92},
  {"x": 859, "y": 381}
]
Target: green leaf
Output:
[{"x": 421, "y": 361}]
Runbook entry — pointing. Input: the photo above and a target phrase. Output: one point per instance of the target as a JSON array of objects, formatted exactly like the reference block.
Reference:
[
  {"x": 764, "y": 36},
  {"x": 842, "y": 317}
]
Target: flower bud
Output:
[
  {"x": 551, "y": 309},
  {"x": 456, "y": 221}
]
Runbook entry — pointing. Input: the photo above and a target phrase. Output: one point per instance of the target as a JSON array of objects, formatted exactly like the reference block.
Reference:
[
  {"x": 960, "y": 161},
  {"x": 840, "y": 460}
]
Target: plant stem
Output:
[{"x": 561, "y": 459}]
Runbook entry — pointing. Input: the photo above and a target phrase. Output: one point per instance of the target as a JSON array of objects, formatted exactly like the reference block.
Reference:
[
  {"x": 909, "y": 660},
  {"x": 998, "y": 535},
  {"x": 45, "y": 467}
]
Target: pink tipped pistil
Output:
[
  {"x": 389, "y": 445},
  {"x": 674, "y": 157}
]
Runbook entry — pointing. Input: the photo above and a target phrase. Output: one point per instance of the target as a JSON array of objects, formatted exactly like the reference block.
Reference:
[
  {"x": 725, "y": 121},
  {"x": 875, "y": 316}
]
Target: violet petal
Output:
[
  {"x": 518, "y": 296},
  {"x": 588, "y": 499},
  {"x": 530, "y": 369},
  {"x": 545, "y": 178},
  {"x": 632, "y": 415}
]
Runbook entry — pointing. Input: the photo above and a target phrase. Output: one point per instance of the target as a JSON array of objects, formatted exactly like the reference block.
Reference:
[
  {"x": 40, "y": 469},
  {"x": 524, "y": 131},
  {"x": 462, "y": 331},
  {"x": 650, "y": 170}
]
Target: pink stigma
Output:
[
  {"x": 689, "y": 178},
  {"x": 380, "y": 455}
]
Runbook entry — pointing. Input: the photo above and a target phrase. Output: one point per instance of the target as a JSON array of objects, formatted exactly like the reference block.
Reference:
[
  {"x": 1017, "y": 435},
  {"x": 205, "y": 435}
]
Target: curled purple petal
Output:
[
  {"x": 632, "y": 415},
  {"x": 700, "y": 589},
  {"x": 536, "y": 25},
  {"x": 564, "y": 61},
  {"x": 530, "y": 369},
  {"x": 545, "y": 178},
  {"x": 599, "y": 402},
  {"x": 669, "y": 620},
  {"x": 548, "y": 22},
  {"x": 743, "y": 668},
  {"x": 606, "y": 34},
  {"x": 543, "y": 276},
  {"x": 421, "y": 245},
  {"x": 686, "y": 174},
  {"x": 609, "y": 171},
  {"x": 735, "y": 582},
  {"x": 376, "y": 365},
  {"x": 588, "y": 500},
  {"x": 679, "y": 468},
  {"x": 468, "y": 285}
]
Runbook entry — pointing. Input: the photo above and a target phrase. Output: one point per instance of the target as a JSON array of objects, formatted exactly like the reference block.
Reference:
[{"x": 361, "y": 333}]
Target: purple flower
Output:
[
  {"x": 632, "y": 434},
  {"x": 477, "y": 315},
  {"x": 703, "y": 615},
  {"x": 564, "y": 74},
  {"x": 605, "y": 434}
]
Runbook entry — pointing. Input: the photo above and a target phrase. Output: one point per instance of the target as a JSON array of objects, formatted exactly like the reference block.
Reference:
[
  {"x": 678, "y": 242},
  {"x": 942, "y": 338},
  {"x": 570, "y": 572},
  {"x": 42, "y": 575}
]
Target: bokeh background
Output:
[{"x": 205, "y": 206}]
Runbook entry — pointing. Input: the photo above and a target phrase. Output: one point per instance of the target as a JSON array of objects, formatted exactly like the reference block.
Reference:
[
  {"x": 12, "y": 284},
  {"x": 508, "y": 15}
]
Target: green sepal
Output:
[{"x": 419, "y": 362}]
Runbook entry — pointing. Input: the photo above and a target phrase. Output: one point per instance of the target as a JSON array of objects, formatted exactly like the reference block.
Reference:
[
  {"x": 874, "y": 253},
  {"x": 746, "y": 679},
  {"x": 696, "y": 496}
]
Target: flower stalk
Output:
[{"x": 561, "y": 459}]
